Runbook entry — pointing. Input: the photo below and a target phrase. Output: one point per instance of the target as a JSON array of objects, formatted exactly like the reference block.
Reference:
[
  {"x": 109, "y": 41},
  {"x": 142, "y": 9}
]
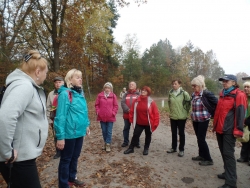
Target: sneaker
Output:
[
  {"x": 181, "y": 154},
  {"x": 77, "y": 183},
  {"x": 124, "y": 145},
  {"x": 171, "y": 150},
  {"x": 104, "y": 146},
  {"x": 206, "y": 163},
  {"x": 198, "y": 158},
  {"x": 128, "y": 151},
  {"x": 145, "y": 152},
  {"x": 108, "y": 148}
]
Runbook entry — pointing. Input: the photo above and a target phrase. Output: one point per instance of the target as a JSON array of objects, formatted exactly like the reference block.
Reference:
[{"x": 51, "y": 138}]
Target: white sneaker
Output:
[{"x": 108, "y": 148}]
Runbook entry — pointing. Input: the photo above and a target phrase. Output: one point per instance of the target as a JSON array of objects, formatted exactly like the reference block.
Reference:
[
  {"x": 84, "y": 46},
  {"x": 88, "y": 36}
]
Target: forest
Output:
[{"x": 79, "y": 34}]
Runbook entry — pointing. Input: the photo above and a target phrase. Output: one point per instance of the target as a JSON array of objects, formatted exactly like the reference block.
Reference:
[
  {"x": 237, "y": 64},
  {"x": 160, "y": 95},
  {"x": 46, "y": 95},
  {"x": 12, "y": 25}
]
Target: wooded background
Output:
[{"x": 79, "y": 34}]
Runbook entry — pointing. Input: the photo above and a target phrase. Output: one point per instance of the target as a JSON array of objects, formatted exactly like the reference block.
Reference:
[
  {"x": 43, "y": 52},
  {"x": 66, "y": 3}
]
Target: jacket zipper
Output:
[{"x": 39, "y": 138}]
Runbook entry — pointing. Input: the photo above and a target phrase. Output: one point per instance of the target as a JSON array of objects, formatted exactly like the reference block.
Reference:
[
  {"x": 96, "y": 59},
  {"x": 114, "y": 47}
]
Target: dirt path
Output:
[{"x": 157, "y": 170}]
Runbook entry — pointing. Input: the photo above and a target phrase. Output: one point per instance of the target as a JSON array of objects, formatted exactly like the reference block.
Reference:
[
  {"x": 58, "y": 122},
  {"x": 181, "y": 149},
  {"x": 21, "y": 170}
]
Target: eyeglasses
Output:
[
  {"x": 194, "y": 85},
  {"x": 246, "y": 86}
]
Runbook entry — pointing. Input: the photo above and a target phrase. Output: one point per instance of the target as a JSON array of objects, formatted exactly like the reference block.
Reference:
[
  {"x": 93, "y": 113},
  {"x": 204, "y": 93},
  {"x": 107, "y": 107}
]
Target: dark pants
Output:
[
  {"x": 178, "y": 126},
  {"x": 136, "y": 136},
  {"x": 226, "y": 144},
  {"x": 68, "y": 162},
  {"x": 245, "y": 151},
  {"x": 200, "y": 129},
  {"x": 126, "y": 130},
  {"x": 23, "y": 174}
]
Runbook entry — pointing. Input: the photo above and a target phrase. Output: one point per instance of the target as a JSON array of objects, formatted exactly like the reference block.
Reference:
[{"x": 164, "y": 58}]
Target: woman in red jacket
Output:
[
  {"x": 228, "y": 125},
  {"x": 106, "y": 109},
  {"x": 143, "y": 115}
]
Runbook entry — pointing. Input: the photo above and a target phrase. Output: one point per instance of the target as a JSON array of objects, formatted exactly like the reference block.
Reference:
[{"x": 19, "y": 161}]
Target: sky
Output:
[{"x": 219, "y": 25}]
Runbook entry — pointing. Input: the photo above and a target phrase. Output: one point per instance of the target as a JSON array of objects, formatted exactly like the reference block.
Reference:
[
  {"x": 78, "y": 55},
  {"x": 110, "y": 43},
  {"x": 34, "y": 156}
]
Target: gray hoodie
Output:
[{"x": 23, "y": 118}]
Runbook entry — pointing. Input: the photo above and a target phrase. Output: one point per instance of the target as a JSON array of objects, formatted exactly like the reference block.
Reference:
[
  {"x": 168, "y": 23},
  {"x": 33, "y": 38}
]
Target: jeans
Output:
[
  {"x": 226, "y": 144},
  {"x": 23, "y": 174},
  {"x": 68, "y": 162},
  {"x": 200, "y": 129},
  {"x": 107, "y": 128},
  {"x": 178, "y": 125},
  {"x": 137, "y": 133}
]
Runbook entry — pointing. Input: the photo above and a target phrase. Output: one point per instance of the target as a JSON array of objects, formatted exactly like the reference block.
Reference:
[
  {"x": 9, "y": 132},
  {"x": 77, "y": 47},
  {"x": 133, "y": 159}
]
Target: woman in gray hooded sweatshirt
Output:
[{"x": 23, "y": 122}]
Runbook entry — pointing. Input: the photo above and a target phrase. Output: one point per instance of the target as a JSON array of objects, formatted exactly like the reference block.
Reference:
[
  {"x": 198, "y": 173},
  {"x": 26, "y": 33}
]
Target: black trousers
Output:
[
  {"x": 178, "y": 126},
  {"x": 136, "y": 136},
  {"x": 245, "y": 151},
  {"x": 23, "y": 174},
  {"x": 226, "y": 144},
  {"x": 200, "y": 129}
]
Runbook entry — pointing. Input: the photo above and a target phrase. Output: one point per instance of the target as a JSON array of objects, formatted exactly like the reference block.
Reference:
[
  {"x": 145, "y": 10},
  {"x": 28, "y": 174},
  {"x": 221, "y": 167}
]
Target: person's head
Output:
[
  {"x": 246, "y": 86},
  {"x": 58, "y": 82},
  {"x": 198, "y": 83},
  {"x": 145, "y": 91},
  {"x": 228, "y": 80},
  {"x": 108, "y": 87},
  {"x": 73, "y": 78},
  {"x": 176, "y": 84},
  {"x": 35, "y": 66},
  {"x": 132, "y": 85},
  {"x": 124, "y": 89}
]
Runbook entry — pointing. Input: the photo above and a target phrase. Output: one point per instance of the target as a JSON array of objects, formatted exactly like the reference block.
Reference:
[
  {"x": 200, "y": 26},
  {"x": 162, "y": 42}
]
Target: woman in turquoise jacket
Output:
[{"x": 71, "y": 125}]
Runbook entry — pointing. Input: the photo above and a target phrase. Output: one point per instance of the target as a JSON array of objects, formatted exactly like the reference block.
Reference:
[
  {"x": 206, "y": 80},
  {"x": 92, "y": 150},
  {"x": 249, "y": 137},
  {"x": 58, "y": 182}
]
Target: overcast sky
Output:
[{"x": 219, "y": 25}]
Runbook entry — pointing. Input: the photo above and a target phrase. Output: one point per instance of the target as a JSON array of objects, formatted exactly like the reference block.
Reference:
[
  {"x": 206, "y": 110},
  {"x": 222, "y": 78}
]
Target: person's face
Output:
[
  {"x": 76, "y": 80},
  {"x": 247, "y": 89},
  {"x": 41, "y": 74},
  {"x": 132, "y": 85},
  {"x": 144, "y": 92},
  {"x": 58, "y": 84},
  {"x": 175, "y": 85},
  {"x": 196, "y": 88},
  {"x": 107, "y": 89},
  {"x": 227, "y": 83}
]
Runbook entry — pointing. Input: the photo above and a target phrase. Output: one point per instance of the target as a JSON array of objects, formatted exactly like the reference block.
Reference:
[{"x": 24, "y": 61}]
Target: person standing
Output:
[
  {"x": 24, "y": 128},
  {"x": 123, "y": 92},
  {"x": 179, "y": 106},
  {"x": 228, "y": 125},
  {"x": 202, "y": 99},
  {"x": 58, "y": 82},
  {"x": 144, "y": 115},
  {"x": 106, "y": 109},
  {"x": 71, "y": 125},
  {"x": 126, "y": 103},
  {"x": 245, "y": 149}
]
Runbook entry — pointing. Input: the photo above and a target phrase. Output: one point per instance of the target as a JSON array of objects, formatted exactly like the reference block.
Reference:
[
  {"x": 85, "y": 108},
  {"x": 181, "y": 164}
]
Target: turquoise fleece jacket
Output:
[{"x": 71, "y": 119}]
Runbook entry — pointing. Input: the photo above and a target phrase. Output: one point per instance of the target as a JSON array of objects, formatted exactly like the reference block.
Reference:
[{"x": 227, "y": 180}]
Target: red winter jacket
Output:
[
  {"x": 127, "y": 101},
  {"x": 230, "y": 113},
  {"x": 153, "y": 113}
]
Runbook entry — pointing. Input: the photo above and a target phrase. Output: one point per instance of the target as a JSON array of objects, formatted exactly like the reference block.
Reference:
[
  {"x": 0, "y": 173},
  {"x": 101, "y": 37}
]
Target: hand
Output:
[
  {"x": 15, "y": 157},
  {"x": 60, "y": 144},
  {"x": 88, "y": 131},
  {"x": 237, "y": 136}
]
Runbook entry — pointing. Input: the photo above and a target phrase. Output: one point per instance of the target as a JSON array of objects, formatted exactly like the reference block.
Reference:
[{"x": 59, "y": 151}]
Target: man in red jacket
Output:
[{"x": 126, "y": 103}]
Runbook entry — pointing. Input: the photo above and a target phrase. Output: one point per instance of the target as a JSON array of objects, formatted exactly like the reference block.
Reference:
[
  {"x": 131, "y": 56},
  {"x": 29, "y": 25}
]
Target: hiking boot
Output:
[
  {"x": 198, "y": 158},
  {"x": 104, "y": 146},
  {"x": 145, "y": 152},
  {"x": 108, "y": 148},
  {"x": 128, "y": 151},
  {"x": 77, "y": 183},
  {"x": 57, "y": 155},
  {"x": 138, "y": 146},
  {"x": 206, "y": 163},
  {"x": 241, "y": 160},
  {"x": 124, "y": 145},
  {"x": 221, "y": 176},
  {"x": 181, "y": 154},
  {"x": 171, "y": 150}
]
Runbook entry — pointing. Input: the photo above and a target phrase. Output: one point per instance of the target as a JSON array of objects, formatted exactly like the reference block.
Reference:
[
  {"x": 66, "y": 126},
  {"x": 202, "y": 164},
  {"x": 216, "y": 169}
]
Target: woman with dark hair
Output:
[
  {"x": 179, "y": 106},
  {"x": 228, "y": 125},
  {"x": 143, "y": 115}
]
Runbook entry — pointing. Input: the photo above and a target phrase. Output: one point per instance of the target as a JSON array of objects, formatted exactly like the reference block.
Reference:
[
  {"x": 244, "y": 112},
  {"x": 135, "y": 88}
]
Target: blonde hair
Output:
[
  {"x": 246, "y": 84},
  {"x": 34, "y": 61},
  {"x": 70, "y": 75},
  {"x": 199, "y": 81}
]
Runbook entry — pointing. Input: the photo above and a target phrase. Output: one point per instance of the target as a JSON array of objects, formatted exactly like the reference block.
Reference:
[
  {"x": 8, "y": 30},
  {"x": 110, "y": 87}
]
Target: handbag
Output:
[{"x": 245, "y": 137}]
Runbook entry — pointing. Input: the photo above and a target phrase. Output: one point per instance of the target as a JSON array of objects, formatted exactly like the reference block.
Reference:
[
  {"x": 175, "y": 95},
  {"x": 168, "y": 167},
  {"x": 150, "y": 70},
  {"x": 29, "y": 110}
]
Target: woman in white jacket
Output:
[{"x": 23, "y": 122}]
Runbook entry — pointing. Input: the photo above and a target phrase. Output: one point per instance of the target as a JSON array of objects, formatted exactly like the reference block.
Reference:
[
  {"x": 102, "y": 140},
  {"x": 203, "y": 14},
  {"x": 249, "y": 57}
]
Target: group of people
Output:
[{"x": 26, "y": 113}]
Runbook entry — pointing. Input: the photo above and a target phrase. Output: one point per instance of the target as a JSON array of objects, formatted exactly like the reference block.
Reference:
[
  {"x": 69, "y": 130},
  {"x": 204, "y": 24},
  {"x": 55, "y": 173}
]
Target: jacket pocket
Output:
[{"x": 39, "y": 141}]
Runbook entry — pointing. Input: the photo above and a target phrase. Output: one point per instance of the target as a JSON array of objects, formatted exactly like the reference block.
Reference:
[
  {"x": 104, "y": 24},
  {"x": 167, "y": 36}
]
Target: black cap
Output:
[
  {"x": 58, "y": 78},
  {"x": 228, "y": 77}
]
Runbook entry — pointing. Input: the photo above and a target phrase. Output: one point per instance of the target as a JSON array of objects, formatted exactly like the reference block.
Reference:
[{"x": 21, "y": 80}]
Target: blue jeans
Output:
[
  {"x": 68, "y": 162},
  {"x": 107, "y": 128}
]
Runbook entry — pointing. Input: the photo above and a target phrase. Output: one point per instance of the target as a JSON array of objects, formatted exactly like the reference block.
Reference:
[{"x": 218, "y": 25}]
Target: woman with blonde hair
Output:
[
  {"x": 71, "y": 125},
  {"x": 24, "y": 127},
  {"x": 203, "y": 105}
]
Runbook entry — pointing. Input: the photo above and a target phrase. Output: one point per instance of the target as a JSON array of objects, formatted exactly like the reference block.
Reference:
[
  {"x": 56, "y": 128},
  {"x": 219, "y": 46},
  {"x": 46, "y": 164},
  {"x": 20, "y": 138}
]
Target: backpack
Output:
[
  {"x": 2, "y": 91},
  {"x": 52, "y": 114}
]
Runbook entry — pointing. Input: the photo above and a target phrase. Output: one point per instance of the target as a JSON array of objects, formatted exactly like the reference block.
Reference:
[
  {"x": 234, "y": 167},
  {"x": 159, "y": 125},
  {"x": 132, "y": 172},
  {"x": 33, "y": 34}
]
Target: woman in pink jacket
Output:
[{"x": 106, "y": 109}]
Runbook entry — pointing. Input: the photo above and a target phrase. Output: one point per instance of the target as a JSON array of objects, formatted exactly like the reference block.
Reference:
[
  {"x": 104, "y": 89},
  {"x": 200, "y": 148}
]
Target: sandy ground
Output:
[{"x": 157, "y": 170}]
